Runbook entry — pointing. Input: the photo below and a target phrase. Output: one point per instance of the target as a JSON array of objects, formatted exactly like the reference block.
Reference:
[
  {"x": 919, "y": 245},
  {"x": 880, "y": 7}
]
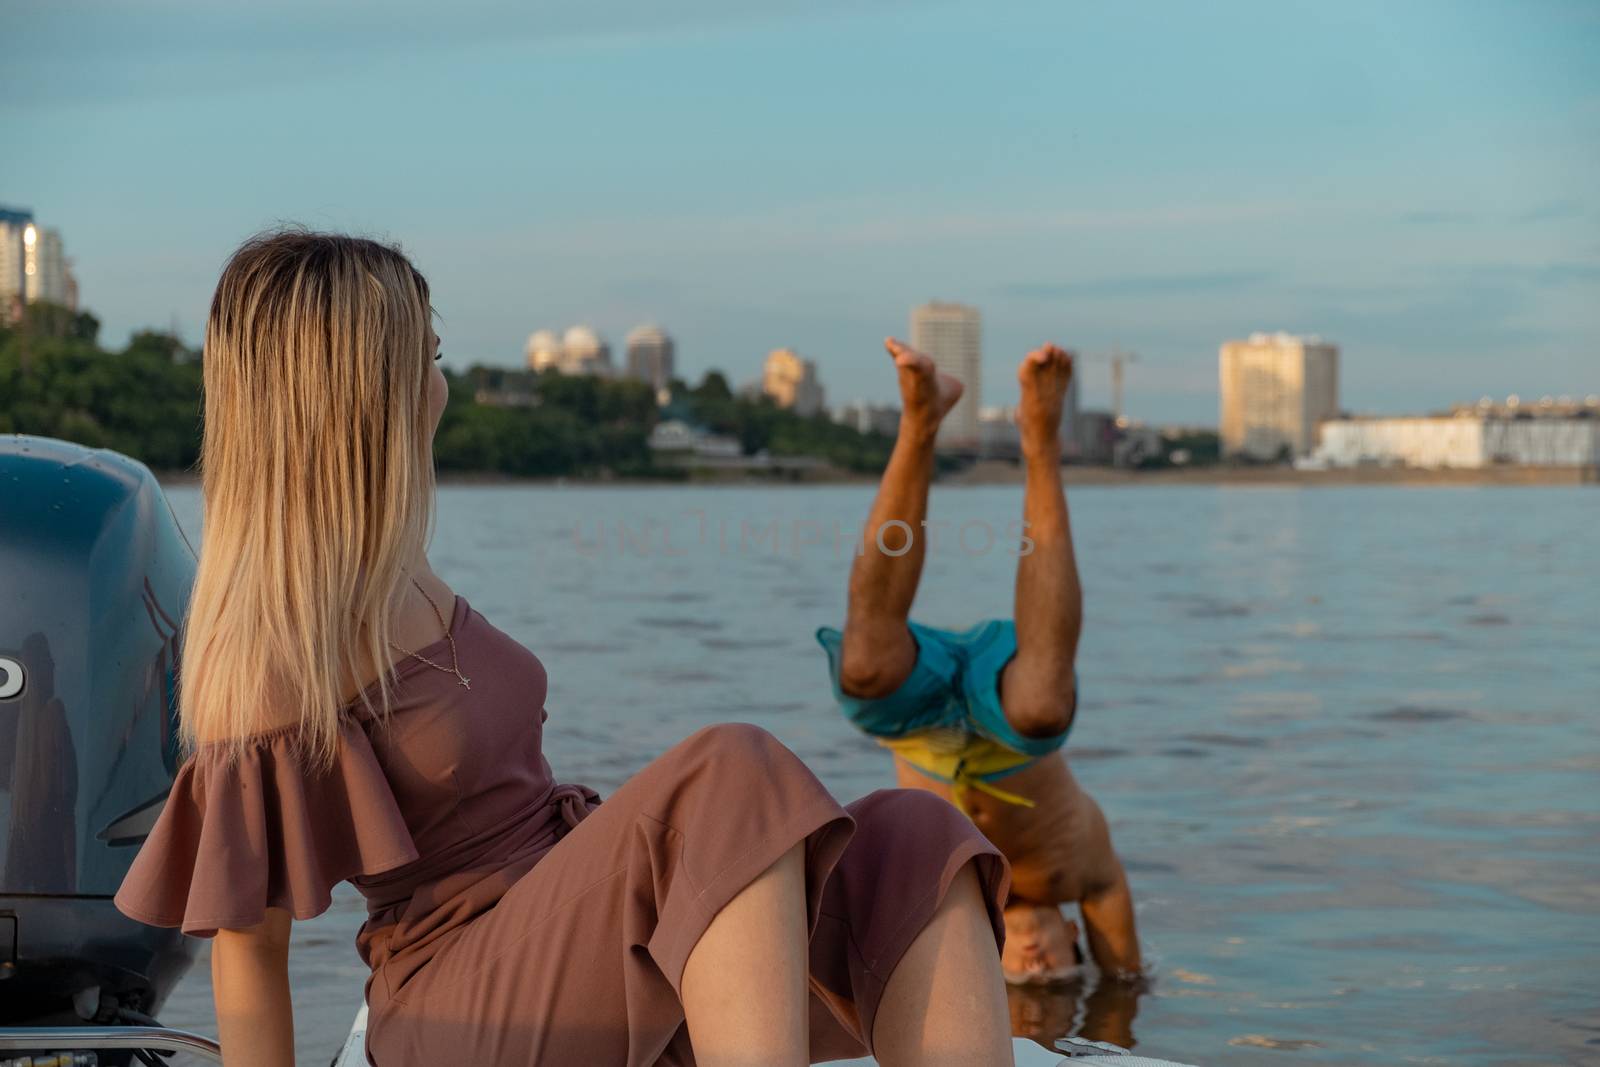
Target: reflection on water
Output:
[
  {"x": 1359, "y": 811},
  {"x": 1098, "y": 1011}
]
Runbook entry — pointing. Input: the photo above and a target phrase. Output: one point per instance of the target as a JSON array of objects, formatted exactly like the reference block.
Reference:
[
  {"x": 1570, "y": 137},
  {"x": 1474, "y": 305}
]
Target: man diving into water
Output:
[{"x": 980, "y": 716}]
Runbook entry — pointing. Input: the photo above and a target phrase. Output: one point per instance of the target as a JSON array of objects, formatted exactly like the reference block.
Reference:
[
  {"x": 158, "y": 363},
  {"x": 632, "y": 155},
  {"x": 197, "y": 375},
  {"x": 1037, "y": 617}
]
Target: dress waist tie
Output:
[{"x": 574, "y": 802}]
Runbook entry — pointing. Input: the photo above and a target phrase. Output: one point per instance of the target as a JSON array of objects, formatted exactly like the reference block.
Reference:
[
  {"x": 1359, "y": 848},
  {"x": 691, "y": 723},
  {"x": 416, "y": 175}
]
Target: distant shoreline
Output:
[
  {"x": 997, "y": 472},
  {"x": 1006, "y": 474}
]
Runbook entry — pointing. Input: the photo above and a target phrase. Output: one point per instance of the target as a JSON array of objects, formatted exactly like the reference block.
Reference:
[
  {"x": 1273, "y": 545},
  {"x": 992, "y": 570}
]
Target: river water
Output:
[{"x": 1348, "y": 738}]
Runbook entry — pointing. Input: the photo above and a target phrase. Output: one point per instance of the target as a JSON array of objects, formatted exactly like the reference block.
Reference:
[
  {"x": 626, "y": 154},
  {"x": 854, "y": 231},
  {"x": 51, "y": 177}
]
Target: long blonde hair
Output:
[{"x": 317, "y": 476}]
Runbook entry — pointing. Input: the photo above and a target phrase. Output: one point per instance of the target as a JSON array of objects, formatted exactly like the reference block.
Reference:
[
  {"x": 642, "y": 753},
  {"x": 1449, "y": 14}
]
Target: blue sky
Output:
[{"x": 1417, "y": 181}]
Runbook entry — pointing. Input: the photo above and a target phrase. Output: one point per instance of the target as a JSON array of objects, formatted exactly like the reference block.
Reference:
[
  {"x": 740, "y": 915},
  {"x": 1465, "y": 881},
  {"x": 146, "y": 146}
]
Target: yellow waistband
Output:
[{"x": 965, "y": 761}]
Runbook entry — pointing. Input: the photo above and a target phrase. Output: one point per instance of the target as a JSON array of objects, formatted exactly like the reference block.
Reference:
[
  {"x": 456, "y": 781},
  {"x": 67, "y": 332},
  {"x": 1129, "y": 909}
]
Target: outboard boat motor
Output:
[{"x": 94, "y": 580}]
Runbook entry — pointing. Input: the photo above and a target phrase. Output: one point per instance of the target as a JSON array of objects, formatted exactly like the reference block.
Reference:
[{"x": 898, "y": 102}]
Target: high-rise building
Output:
[
  {"x": 13, "y": 224},
  {"x": 951, "y": 335},
  {"x": 44, "y": 265},
  {"x": 1070, "y": 418},
  {"x": 650, "y": 356},
  {"x": 792, "y": 382},
  {"x": 543, "y": 350},
  {"x": 578, "y": 351},
  {"x": 33, "y": 264},
  {"x": 1276, "y": 391},
  {"x": 585, "y": 352}
]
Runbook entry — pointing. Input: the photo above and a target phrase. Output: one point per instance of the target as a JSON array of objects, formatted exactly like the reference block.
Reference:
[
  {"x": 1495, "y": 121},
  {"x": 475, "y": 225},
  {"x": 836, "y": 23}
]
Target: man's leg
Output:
[
  {"x": 1038, "y": 693},
  {"x": 1037, "y": 687},
  {"x": 878, "y": 651}
]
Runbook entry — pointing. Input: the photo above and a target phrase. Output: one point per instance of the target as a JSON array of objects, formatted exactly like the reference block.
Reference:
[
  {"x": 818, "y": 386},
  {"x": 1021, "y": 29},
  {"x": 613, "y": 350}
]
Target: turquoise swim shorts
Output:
[{"x": 955, "y": 684}]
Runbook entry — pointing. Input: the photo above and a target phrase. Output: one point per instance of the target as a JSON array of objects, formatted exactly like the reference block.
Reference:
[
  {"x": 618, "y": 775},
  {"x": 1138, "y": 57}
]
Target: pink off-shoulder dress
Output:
[{"x": 512, "y": 920}]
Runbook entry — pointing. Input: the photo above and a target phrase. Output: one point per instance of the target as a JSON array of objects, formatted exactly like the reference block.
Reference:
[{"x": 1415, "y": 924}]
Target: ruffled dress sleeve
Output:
[{"x": 243, "y": 834}]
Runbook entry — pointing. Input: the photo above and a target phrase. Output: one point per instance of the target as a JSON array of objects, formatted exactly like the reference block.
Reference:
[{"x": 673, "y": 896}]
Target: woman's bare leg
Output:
[
  {"x": 1036, "y": 687},
  {"x": 945, "y": 1004},
  {"x": 745, "y": 991},
  {"x": 877, "y": 653}
]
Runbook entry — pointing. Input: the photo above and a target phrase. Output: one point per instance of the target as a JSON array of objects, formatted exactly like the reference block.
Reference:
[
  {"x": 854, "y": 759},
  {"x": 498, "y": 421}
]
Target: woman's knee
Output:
[
  {"x": 731, "y": 740},
  {"x": 742, "y": 755}
]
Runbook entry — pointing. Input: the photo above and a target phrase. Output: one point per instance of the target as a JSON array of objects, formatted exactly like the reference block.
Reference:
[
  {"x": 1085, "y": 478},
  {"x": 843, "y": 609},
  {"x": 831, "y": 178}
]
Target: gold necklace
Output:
[{"x": 455, "y": 662}]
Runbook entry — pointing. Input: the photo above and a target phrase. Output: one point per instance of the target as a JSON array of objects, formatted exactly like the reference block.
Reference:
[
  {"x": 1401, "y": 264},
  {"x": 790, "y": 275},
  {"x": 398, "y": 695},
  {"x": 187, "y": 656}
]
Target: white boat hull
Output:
[{"x": 1025, "y": 1052}]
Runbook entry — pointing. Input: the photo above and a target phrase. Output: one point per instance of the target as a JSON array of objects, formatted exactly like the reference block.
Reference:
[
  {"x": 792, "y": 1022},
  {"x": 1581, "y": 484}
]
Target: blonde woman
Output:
[{"x": 352, "y": 719}]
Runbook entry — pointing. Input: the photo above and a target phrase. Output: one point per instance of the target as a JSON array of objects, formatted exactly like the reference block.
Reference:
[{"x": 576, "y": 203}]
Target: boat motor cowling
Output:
[{"x": 95, "y": 576}]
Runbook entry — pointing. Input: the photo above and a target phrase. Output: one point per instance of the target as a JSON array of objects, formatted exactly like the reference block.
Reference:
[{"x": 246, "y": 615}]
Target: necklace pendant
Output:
[{"x": 466, "y": 683}]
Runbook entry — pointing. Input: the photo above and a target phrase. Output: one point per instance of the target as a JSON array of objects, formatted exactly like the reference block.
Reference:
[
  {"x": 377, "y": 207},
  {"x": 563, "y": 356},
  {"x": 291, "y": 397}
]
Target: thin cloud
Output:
[
  {"x": 1448, "y": 319},
  {"x": 1437, "y": 217},
  {"x": 853, "y": 222},
  {"x": 1535, "y": 275},
  {"x": 1149, "y": 285},
  {"x": 1023, "y": 224},
  {"x": 1568, "y": 273},
  {"x": 150, "y": 51},
  {"x": 1554, "y": 211}
]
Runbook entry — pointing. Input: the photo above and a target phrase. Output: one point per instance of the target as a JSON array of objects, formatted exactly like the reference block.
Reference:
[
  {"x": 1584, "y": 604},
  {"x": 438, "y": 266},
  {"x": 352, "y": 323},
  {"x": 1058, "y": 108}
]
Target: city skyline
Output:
[{"x": 1418, "y": 184}]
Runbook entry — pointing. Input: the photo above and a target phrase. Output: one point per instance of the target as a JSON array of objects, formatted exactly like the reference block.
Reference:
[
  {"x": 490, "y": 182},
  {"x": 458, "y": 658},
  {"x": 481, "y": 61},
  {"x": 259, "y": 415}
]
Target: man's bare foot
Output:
[
  {"x": 1041, "y": 944},
  {"x": 1044, "y": 376},
  {"x": 926, "y": 395}
]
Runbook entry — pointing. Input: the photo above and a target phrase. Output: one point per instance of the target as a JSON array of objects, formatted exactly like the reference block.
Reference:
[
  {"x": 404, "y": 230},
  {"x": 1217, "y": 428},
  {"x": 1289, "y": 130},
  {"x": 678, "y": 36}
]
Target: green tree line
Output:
[
  {"x": 56, "y": 381},
  {"x": 144, "y": 400}
]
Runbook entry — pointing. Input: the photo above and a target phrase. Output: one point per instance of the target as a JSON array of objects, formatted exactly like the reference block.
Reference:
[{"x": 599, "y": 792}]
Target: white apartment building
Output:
[
  {"x": 33, "y": 264},
  {"x": 650, "y": 356},
  {"x": 951, "y": 334},
  {"x": 1464, "y": 440},
  {"x": 12, "y": 284},
  {"x": 1276, "y": 389},
  {"x": 44, "y": 266}
]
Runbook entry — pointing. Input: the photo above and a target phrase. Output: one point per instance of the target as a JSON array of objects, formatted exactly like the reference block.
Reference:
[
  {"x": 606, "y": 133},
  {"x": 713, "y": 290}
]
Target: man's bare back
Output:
[
  {"x": 1060, "y": 853},
  {"x": 1059, "y": 849}
]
